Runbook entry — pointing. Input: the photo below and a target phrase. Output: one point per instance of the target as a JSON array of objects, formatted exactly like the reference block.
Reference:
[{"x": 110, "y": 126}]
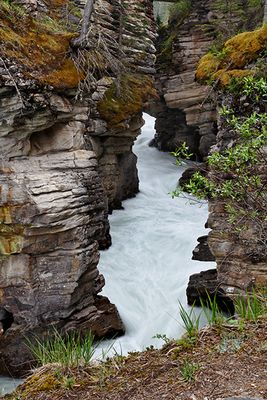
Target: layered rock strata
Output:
[
  {"x": 204, "y": 288},
  {"x": 238, "y": 224},
  {"x": 241, "y": 259},
  {"x": 185, "y": 112},
  {"x": 64, "y": 164}
]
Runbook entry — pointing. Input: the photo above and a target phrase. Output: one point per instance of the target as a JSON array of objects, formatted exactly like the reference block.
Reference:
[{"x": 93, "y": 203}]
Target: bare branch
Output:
[
  {"x": 13, "y": 80},
  {"x": 88, "y": 9}
]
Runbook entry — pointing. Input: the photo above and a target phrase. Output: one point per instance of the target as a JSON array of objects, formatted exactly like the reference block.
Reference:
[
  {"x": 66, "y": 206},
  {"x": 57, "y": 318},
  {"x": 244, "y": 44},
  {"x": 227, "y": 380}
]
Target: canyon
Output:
[{"x": 70, "y": 114}]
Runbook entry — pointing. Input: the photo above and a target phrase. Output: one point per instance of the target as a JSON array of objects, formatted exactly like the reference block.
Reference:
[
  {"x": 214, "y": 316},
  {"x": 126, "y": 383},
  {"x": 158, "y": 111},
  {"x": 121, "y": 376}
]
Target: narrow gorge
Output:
[{"x": 74, "y": 149}]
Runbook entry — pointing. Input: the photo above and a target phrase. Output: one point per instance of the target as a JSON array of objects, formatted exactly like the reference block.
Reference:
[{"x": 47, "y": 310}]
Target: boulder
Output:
[
  {"x": 204, "y": 285},
  {"x": 202, "y": 251}
]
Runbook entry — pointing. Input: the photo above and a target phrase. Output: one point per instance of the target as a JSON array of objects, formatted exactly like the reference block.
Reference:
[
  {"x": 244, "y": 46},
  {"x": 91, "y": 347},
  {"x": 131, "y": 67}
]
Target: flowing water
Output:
[
  {"x": 7, "y": 385},
  {"x": 148, "y": 266}
]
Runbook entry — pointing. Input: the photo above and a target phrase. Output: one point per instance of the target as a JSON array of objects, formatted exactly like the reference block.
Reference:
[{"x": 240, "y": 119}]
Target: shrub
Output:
[{"x": 236, "y": 177}]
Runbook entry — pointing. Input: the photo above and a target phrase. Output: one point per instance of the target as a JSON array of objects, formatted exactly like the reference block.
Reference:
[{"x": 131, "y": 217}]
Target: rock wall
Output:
[
  {"x": 65, "y": 161},
  {"x": 241, "y": 258},
  {"x": 237, "y": 219},
  {"x": 186, "y": 112}
]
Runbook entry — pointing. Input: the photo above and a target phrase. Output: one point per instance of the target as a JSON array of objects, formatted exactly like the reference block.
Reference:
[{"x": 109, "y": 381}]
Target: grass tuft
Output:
[
  {"x": 211, "y": 310},
  {"x": 190, "y": 320},
  {"x": 71, "y": 350},
  {"x": 252, "y": 306}
]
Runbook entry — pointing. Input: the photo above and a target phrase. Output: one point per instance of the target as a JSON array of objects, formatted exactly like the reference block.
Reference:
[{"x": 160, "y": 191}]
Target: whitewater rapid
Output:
[{"x": 149, "y": 263}]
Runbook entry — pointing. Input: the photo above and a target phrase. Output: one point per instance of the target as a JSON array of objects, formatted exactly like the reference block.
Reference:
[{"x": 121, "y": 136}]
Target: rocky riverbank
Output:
[{"x": 225, "y": 361}]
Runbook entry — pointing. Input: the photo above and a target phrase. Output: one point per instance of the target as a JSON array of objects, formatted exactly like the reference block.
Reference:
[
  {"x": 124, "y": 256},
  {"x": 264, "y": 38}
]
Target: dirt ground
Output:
[{"x": 221, "y": 362}]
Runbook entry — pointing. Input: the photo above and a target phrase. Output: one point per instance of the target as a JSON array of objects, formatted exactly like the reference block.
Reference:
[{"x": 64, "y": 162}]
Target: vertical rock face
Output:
[
  {"x": 241, "y": 259},
  {"x": 237, "y": 218},
  {"x": 185, "y": 112},
  {"x": 182, "y": 117},
  {"x": 64, "y": 163}
]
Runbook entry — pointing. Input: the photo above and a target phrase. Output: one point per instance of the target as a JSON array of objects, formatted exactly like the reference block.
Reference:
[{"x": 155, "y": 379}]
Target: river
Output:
[
  {"x": 148, "y": 266},
  {"x": 149, "y": 263}
]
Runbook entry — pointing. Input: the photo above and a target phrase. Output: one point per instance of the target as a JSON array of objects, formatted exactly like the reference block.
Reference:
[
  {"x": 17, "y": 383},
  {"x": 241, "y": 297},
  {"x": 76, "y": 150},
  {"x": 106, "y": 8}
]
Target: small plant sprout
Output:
[
  {"x": 181, "y": 154},
  {"x": 160, "y": 336},
  {"x": 69, "y": 382},
  {"x": 188, "y": 370}
]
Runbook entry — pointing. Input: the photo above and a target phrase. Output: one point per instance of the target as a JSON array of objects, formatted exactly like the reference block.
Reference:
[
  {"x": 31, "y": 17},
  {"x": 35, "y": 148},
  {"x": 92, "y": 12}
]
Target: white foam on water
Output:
[{"x": 149, "y": 263}]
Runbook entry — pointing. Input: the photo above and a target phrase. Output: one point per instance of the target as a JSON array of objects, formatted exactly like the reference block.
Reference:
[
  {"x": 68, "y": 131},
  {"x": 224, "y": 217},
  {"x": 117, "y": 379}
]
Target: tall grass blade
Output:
[
  {"x": 211, "y": 310},
  {"x": 190, "y": 320},
  {"x": 69, "y": 351}
]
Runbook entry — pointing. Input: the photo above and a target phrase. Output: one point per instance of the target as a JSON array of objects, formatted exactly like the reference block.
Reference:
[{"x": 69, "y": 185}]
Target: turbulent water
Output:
[{"x": 148, "y": 266}]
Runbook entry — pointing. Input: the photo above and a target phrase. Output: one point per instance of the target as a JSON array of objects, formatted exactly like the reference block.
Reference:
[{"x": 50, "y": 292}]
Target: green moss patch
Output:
[
  {"x": 40, "y": 47},
  {"x": 237, "y": 53},
  {"x": 120, "y": 103}
]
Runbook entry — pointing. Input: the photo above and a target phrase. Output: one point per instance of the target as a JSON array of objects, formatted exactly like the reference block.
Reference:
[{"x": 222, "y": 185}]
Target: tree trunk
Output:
[
  {"x": 265, "y": 12},
  {"x": 88, "y": 9}
]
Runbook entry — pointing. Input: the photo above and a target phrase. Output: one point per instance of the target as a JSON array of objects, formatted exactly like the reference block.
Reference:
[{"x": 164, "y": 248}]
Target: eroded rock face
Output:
[
  {"x": 62, "y": 168},
  {"x": 202, "y": 251},
  {"x": 241, "y": 262},
  {"x": 186, "y": 111},
  {"x": 204, "y": 287},
  {"x": 185, "y": 115},
  {"x": 239, "y": 247},
  {"x": 53, "y": 218}
]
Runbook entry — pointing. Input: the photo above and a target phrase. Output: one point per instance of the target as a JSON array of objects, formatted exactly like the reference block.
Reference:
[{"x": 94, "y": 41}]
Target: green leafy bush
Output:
[{"x": 236, "y": 177}]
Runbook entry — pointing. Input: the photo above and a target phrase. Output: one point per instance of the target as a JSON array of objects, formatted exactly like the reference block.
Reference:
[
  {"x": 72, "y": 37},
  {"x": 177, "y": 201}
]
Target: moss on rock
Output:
[
  {"x": 120, "y": 103},
  {"x": 44, "y": 380},
  {"x": 237, "y": 53},
  {"x": 40, "y": 47}
]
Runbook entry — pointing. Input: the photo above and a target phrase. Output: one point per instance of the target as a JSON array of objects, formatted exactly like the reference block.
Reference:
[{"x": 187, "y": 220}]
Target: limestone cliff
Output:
[
  {"x": 238, "y": 217},
  {"x": 69, "y": 116},
  {"x": 185, "y": 112}
]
